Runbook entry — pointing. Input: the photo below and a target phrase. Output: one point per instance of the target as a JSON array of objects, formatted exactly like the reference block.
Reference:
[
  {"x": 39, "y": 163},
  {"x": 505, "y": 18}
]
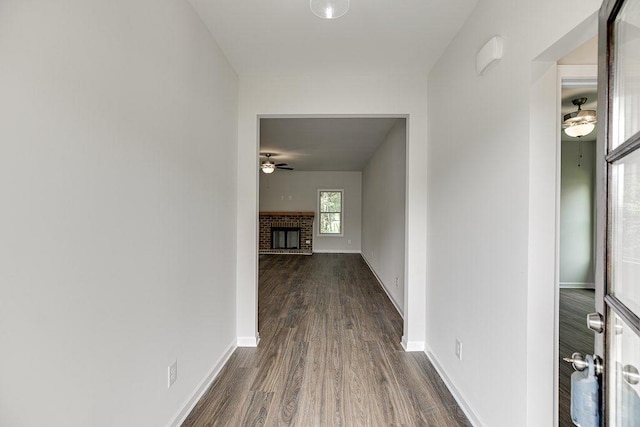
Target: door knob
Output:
[{"x": 579, "y": 362}]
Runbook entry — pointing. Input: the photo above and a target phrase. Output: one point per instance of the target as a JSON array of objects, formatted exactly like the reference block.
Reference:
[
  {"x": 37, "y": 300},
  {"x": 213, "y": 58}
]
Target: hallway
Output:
[{"x": 329, "y": 354}]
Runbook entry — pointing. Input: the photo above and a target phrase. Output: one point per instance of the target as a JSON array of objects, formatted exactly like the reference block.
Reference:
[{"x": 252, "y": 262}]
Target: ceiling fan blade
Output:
[
  {"x": 281, "y": 164},
  {"x": 282, "y": 167}
]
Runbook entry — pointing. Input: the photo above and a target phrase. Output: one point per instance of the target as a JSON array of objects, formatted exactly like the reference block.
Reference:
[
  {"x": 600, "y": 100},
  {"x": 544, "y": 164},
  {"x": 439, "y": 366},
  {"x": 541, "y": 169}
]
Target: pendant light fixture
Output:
[
  {"x": 329, "y": 9},
  {"x": 580, "y": 122}
]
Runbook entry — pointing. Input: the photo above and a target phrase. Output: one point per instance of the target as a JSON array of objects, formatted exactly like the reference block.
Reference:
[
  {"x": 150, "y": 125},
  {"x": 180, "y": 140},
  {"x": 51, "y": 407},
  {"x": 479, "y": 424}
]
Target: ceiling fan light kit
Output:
[
  {"x": 268, "y": 166},
  {"x": 329, "y": 9},
  {"x": 580, "y": 122}
]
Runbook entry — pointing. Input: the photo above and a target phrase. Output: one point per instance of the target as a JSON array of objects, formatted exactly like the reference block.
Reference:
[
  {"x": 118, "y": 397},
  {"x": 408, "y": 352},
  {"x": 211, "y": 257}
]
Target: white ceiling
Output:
[
  {"x": 283, "y": 36},
  {"x": 375, "y": 36},
  {"x": 323, "y": 144}
]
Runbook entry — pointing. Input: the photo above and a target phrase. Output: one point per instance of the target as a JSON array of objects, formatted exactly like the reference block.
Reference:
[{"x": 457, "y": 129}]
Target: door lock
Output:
[
  {"x": 595, "y": 322},
  {"x": 579, "y": 362}
]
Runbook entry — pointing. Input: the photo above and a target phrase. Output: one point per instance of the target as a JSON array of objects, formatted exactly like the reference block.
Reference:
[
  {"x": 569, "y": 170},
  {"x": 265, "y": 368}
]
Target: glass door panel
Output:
[
  {"x": 622, "y": 371},
  {"x": 626, "y": 88},
  {"x": 625, "y": 231}
]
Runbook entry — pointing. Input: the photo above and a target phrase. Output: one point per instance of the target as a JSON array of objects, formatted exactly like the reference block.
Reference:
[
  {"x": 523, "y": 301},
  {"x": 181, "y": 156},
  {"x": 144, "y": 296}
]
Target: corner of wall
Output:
[{"x": 248, "y": 341}]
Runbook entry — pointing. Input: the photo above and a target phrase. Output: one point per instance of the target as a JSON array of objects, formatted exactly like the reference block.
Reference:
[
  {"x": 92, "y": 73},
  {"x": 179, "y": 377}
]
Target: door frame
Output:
[
  {"x": 587, "y": 75},
  {"x": 247, "y": 295},
  {"x": 544, "y": 217}
]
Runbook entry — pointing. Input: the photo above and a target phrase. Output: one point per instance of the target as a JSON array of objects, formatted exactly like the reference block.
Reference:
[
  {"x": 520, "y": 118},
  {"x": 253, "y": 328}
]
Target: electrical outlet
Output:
[
  {"x": 458, "y": 349},
  {"x": 397, "y": 282},
  {"x": 349, "y": 241},
  {"x": 173, "y": 373}
]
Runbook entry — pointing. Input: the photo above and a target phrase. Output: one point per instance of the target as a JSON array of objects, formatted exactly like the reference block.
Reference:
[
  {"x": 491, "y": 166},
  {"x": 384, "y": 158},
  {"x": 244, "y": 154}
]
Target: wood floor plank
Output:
[
  {"x": 257, "y": 409},
  {"x": 290, "y": 391},
  {"x": 329, "y": 355}
]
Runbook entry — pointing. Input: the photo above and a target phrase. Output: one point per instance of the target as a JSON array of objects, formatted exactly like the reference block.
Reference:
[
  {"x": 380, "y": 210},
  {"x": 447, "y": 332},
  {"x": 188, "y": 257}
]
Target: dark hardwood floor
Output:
[
  {"x": 575, "y": 304},
  {"x": 329, "y": 355}
]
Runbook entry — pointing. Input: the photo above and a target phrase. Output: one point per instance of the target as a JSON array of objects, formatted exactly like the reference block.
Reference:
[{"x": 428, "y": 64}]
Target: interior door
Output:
[{"x": 618, "y": 293}]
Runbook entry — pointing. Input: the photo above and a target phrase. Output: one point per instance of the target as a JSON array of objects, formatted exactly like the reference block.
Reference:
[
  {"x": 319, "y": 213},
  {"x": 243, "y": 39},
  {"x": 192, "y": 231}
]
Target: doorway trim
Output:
[
  {"x": 544, "y": 207},
  {"x": 573, "y": 76},
  {"x": 247, "y": 212}
]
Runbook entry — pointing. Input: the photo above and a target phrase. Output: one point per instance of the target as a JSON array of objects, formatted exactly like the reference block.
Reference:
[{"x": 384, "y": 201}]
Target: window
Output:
[{"x": 330, "y": 212}]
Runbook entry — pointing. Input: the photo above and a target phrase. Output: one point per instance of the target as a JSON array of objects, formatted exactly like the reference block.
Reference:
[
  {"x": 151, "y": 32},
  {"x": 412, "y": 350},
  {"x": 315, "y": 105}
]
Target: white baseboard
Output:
[
  {"x": 577, "y": 285},
  {"x": 384, "y": 288},
  {"x": 336, "y": 251},
  {"x": 466, "y": 408},
  {"x": 204, "y": 385},
  {"x": 286, "y": 253},
  {"x": 412, "y": 345},
  {"x": 248, "y": 341}
]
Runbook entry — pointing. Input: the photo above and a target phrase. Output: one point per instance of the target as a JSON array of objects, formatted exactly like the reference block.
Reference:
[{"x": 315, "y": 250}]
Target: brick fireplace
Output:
[{"x": 294, "y": 228}]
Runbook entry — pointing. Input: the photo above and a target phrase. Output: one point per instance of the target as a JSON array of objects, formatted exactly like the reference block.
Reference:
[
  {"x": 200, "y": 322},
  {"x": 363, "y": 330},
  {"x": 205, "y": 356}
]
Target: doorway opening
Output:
[
  {"x": 577, "y": 225},
  {"x": 362, "y": 159}
]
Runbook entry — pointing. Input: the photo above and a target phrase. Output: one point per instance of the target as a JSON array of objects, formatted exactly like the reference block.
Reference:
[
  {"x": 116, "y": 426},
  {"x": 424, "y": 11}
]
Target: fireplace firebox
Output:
[{"x": 285, "y": 237}]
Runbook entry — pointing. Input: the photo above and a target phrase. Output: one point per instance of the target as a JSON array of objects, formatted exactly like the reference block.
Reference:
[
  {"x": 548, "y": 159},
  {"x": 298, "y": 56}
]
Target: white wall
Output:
[
  {"x": 328, "y": 95},
  {"x": 383, "y": 212},
  {"x": 577, "y": 215},
  {"x": 491, "y": 216},
  {"x": 115, "y": 115},
  {"x": 298, "y": 191}
]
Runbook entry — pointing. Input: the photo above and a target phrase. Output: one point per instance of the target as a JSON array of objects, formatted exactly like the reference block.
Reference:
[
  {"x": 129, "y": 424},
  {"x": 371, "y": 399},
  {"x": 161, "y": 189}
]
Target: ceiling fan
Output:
[{"x": 268, "y": 166}]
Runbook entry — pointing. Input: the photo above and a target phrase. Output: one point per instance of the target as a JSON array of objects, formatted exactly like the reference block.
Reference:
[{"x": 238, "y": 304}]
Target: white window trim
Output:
[{"x": 318, "y": 212}]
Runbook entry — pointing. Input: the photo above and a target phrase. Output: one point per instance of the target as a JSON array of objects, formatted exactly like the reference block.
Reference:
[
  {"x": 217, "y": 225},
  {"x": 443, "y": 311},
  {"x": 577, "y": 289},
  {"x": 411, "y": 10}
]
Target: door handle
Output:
[{"x": 579, "y": 362}]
